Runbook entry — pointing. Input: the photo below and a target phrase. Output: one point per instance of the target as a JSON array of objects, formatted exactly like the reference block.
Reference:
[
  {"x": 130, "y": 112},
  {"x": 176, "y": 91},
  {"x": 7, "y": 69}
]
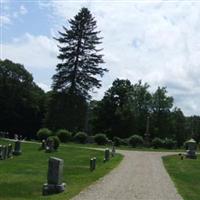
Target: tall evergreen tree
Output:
[{"x": 80, "y": 58}]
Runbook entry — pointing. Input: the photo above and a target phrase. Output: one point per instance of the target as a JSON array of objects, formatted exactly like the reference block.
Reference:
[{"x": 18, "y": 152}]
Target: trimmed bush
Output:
[
  {"x": 125, "y": 141},
  {"x": 117, "y": 141},
  {"x": 169, "y": 143},
  {"x": 100, "y": 139},
  {"x": 80, "y": 137},
  {"x": 44, "y": 133},
  {"x": 136, "y": 140},
  {"x": 64, "y": 135},
  {"x": 157, "y": 143},
  {"x": 56, "y": 141}
]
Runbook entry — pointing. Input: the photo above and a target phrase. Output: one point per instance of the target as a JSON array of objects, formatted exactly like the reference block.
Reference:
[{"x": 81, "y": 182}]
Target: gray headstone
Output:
[
  {"x": 113, "y": 151},
  {"x": 54, "y": 178},
  {"x": 1, "y": 152},
  {"x": 10, "y": 151},
  {"x": 17, "y": 149},
  {"x": 107, "y": 155}
]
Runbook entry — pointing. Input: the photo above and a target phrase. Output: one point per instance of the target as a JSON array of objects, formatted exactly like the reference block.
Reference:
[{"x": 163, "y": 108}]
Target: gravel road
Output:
[{"x": 140, "y": 176}]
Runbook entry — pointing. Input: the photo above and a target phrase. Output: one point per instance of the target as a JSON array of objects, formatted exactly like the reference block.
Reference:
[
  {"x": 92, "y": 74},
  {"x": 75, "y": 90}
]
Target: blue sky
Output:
[{"x": 154, "y": 40}]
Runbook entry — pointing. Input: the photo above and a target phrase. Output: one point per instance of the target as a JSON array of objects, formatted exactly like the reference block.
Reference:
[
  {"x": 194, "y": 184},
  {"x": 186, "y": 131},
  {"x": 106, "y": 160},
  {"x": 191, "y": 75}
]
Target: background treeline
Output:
[{"x": 122, "y": 112}]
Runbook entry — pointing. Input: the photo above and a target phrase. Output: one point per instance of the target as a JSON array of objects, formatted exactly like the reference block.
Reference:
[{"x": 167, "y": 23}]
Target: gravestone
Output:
[
  {"x": 94, "y": 163},
  {"x": 10, "y": 151},
  {"x": 17, "y": 149},
  {"x": 113, "y": 151},
  {"x": 54, "y": 178},
  {"x": 107, "y": 155},
  {"x": 6, "y": 152},
  {"x": 50, "y": 146},
  {"x": 191, "y": 147},
  {"x": 1, "y": 152},
  {"x": 91, "y": 164}
]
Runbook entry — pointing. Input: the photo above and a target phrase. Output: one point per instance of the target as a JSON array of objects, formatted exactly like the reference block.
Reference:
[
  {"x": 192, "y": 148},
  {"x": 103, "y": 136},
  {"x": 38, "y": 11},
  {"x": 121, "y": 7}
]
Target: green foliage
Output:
[
  {"x": 80, "y": 137},
  {"x": 79, "y": 67},
  {"x": 136, "y": 140},
  {"x": 169, "y": 143},
  {"x": 55, "y": 140},
  {"x": 157, "y": 143},
  {"x": 21, "y": 178},
  {"x": 117, "y": 141},
  {"x": 100, "y": 139},
  {"x": 64, "y": 135},
  {"x": 21, "y": 100},
  {"x": 44, "y": 133}
]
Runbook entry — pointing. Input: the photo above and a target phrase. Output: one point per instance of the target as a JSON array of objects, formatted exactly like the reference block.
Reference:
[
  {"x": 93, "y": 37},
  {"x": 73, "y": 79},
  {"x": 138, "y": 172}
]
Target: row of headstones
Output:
[
  {"x": 55, "y": 173},
  {"x": 7, "y": 151}
]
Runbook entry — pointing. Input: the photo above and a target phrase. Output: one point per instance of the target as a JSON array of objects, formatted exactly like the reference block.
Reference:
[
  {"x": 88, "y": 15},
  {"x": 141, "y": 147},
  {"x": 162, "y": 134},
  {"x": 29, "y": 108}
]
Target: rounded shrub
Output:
[
  {"x": 169, "y": 143},
  {"x": 55, "y": 140},
  {"x": 157, "y": 143},
  {"x": 136, "y": 140},
  {"x": 64, "y": 135},
  {"x": 100, "y": 139},
  {"x": 80, "y": 137},
  {"x": 44, "y": 133},
  {"x": 117, "y": 141}
]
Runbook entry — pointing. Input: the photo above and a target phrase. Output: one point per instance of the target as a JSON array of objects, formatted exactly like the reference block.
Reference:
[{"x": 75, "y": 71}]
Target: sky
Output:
[{"x": 156, "y": 41}]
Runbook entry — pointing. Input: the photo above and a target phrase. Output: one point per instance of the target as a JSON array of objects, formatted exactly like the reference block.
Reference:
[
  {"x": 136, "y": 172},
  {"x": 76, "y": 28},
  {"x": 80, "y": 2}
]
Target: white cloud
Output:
[
  {"x": 4, "y": 20},
  {"x": 32, "y": 51},
  {"x": 23, "y": 10},
  {"x": 44, "y": 86}
]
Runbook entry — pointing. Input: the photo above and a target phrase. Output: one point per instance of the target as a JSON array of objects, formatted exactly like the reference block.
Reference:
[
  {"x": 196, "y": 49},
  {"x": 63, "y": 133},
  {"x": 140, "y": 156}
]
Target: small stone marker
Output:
[
  {"x": 10, "y": 151},
  {"x": 107, "y": 155},
  {"x": 94, "y": 163},
  {"x": 91, "y": 164},
  {"x": 113, "y": 151},
  {"x": 17, "y": 149},
  {"x": 54, "y": 179},
  {"x": 1, "y": 152}
]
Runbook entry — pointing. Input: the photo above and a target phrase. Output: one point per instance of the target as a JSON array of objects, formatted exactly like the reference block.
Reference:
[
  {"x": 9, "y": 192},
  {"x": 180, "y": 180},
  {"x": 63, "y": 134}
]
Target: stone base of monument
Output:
[
  {"x": 49, "y": 189},
  {"x": 191, "y": 154}
]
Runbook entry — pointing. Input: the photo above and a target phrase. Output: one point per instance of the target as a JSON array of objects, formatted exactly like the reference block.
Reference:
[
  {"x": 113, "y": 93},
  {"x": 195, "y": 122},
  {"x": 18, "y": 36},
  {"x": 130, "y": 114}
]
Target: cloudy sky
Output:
[{"x": 157, "y": 41}]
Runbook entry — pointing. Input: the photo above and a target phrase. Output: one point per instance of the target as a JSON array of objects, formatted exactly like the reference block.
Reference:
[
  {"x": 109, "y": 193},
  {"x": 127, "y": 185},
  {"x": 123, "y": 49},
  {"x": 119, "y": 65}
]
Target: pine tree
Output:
[{"x": 78, "y": 71}]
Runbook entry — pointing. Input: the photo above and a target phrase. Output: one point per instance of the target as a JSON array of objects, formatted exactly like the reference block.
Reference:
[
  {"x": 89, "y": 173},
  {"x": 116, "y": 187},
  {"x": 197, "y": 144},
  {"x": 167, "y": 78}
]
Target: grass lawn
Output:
[
  {"x": 185, "y": 174},
  {"x": 22, "y": 177}
]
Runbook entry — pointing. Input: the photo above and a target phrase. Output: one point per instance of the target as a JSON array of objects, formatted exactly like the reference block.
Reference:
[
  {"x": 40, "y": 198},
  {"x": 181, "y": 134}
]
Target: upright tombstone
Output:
[
  {"x": 50, "y": 146},
  {"x": 107, "y": 155},
  {"x": 54, "y": 178},
  {"x": 113, "y": 151},
  {"x": 1, "y": 152},
  {"x": 10, "y": 151},
  {"x": 17, "y": 149},
  {"x": 191, "y": 147}
]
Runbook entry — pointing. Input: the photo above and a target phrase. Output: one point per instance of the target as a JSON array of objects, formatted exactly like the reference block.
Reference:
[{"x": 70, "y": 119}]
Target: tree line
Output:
[{"x": 122, "y": 112}]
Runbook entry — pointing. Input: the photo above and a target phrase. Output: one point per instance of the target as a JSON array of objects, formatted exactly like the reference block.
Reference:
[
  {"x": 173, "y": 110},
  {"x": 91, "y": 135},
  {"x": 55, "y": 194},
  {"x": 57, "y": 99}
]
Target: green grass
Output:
[
  {"x": 185, "y": 174},
  {"x": 22, "y": 177}
]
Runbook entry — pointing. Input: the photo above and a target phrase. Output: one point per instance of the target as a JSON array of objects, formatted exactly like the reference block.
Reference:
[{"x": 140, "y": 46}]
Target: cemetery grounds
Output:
[{"x": 23, "y": 176}]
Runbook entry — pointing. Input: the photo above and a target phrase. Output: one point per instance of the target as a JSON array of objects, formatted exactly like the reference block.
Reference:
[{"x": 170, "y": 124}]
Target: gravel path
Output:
[{"x": 140, "y": 176}]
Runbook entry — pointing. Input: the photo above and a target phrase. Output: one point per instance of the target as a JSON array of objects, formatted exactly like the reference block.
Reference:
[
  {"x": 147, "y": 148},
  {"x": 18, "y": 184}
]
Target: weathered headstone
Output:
[
  {"x": 191, "y": 147},
  {"x": 50, "y": 146},
  {"x": 113, "y": 151},
  {"x": 91, "y": 164},
  {"x": 17, "y": 149},
  {"x": 1, "y": 152},
  {"x": 10, "y": 151},
  {"x": 107, "y": 155},
  {"x": 94, "y": 163},
  {"x": 54, "y": 178}
]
